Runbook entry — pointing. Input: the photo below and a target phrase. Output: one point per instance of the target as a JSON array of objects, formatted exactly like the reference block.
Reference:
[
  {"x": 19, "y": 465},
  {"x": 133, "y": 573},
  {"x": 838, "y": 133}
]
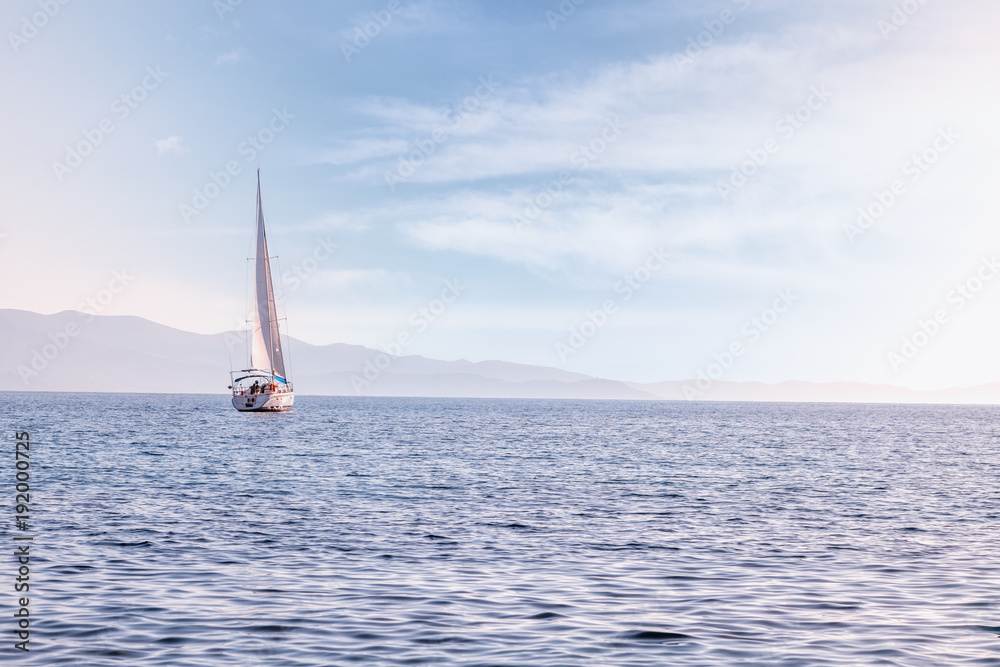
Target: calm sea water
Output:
[{"x": 175, "y": 531}]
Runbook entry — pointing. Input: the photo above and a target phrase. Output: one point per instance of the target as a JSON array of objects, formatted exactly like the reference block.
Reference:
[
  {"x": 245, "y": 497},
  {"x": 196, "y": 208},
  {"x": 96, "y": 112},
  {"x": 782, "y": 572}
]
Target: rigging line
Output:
[
  {"x": 250, "y": 279},
  {"x": 248, "y": 284},
  {"x": 284, "y": 308},
  {"x": 251, "y": 252}
]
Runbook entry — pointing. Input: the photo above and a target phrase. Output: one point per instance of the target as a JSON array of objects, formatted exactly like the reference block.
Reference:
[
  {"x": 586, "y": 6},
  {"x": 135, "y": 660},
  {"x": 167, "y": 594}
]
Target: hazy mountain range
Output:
[{"x": 72, "y": 351}]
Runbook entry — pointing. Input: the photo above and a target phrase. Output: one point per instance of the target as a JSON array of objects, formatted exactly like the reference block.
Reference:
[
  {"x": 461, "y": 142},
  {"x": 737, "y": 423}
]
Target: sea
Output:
[{"x": 173, "y": 530}]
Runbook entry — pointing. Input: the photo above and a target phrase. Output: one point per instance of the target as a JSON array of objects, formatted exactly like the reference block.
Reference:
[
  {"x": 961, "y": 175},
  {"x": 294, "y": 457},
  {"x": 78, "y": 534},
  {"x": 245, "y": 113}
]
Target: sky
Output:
[{"x": 757, "y": 190}]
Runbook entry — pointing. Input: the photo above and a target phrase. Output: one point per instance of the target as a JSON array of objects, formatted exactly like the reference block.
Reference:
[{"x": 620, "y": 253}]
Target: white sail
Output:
[{"x": 265, "y": 349}]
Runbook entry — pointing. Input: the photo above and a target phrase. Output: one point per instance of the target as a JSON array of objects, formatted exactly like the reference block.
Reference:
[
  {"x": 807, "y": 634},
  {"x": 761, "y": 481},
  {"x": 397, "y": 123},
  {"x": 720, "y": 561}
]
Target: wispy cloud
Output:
[
  {"x": 685, "y": 131},
  {"x": 428, "y": 16},
  {"x": 173, "y": 145},
  {"x": 363, "y": 150},
  {"x": 231, "y": 57}
]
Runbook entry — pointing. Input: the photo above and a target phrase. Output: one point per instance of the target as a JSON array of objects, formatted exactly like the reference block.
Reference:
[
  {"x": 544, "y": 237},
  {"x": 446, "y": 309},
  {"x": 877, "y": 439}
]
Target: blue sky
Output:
[{"x": 609, "y": 117}]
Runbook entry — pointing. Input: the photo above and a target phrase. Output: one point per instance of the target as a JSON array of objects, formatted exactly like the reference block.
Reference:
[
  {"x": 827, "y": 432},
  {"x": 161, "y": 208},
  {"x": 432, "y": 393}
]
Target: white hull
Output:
[{"x": 277, "y": 402}]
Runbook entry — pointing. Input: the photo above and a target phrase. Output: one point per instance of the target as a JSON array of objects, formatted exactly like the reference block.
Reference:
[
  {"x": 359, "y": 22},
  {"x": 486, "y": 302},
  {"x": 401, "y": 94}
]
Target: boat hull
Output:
[{"x": 277, "y": 402}]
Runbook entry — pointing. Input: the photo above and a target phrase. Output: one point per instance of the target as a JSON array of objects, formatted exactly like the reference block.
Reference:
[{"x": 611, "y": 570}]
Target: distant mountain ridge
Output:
[{"x": 72, "y": 351}]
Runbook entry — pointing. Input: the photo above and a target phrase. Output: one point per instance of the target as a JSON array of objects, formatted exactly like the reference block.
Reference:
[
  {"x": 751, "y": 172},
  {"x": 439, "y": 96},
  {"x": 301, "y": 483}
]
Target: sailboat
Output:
[{"x": 264, "y": 386}]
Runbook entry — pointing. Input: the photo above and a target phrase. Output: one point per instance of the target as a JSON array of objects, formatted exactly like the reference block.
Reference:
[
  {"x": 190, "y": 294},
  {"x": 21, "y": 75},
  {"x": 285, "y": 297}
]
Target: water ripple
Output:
[{"x": 436, "y": 531}]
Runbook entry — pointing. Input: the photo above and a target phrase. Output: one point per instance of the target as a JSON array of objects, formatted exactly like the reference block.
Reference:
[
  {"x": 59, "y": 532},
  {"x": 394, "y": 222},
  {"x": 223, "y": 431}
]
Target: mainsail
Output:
[{"x": 265, "y": 350}]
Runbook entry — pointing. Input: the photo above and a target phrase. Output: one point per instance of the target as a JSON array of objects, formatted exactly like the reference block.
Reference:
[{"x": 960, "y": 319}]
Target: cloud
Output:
[
  {"x": 231, "y": 57},
  {"x": 695, "y": 119},
  {"x": 362, "y": 150},
  {"x": 170, "y": 146},
  {"x": 430, "y": 16},
  {"x": 686, "y": 129},
  {"x": 341, "y": 221}
]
